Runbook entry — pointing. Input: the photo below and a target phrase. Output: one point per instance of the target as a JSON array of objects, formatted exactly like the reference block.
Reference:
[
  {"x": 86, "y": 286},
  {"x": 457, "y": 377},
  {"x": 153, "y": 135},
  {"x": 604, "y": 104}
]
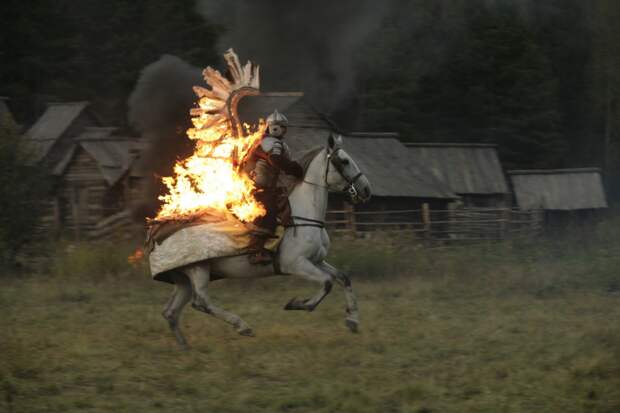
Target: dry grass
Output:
[{"x": 511, "y": 327}]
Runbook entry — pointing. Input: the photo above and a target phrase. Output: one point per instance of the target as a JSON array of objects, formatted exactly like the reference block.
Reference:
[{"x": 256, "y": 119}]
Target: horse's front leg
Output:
[
  {"x": 306, "y": 269},
  {"x": 352, "y": 320}
]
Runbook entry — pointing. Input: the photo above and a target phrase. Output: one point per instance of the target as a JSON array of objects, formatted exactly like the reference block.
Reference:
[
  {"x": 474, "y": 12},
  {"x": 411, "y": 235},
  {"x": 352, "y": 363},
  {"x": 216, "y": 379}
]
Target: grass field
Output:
[{"x": 508, "y": 327}]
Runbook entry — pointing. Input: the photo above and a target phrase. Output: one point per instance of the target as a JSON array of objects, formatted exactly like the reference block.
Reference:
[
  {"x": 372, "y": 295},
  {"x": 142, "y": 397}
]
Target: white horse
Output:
[{"x": 302, "y": 250}]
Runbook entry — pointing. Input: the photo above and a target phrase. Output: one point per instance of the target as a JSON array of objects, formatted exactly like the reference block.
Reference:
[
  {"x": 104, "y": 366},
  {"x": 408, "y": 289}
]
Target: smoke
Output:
[
  {"x": 163, "y": 95},
  {"x": 300, "y": 45},
  {"x": 159, "y": 109}
]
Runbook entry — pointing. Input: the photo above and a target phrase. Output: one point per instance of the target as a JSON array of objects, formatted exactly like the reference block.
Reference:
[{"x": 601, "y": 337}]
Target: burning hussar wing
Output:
[
  {"x": 210, "y": 181},
  {"x": 217, "y": 112}
]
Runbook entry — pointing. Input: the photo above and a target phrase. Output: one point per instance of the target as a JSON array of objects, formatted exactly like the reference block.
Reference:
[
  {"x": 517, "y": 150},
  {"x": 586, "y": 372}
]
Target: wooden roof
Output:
[
  {"x": 54, "y": 122},
  {"x": 559, "y": 189},
  {"x": 383, "y": 161},
  {"x": 465, "y": 168},
  {"x": 113, "y": 154}
]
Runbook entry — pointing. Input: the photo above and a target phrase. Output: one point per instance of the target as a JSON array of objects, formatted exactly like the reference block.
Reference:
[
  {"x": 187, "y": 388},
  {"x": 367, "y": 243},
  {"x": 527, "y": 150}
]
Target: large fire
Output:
[{"x": 210, "y": 179}]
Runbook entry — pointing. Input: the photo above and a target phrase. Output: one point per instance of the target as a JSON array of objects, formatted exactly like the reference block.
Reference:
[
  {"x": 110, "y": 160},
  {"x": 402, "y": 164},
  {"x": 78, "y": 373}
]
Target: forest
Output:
[{"x": 540, "y": 79}]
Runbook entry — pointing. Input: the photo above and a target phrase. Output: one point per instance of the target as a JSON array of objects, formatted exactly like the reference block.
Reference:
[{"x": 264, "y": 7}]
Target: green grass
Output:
[{"x": 516, "y": 326}]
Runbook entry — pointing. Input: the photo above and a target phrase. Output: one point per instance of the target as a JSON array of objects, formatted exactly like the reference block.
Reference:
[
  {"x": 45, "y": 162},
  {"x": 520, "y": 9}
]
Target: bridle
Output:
[{"x": 338, "y": 164}]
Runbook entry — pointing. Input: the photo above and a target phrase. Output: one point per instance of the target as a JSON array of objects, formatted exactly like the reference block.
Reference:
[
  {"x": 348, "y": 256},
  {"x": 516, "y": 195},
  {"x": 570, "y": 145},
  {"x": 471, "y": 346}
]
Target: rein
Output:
[
  {"x": 350, "y": 189},
  {"x": 310, "y": 222}
]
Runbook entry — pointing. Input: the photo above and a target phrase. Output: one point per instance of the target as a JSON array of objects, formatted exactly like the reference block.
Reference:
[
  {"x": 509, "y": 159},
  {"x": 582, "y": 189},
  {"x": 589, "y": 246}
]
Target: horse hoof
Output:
[
  {"x": 293, "y": 304},
  {"x": 247, "y": 332},
  {"x": 352, "y": 325}
]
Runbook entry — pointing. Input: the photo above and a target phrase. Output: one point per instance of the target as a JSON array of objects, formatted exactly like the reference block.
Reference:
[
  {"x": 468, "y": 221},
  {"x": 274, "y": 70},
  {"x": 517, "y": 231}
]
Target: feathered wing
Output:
[{"x": 218, "y": 106}]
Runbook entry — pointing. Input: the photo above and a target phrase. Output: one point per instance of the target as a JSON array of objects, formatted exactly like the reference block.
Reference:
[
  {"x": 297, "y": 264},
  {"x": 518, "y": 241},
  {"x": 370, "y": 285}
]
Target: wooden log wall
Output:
[{"x": 84, "y": 197}]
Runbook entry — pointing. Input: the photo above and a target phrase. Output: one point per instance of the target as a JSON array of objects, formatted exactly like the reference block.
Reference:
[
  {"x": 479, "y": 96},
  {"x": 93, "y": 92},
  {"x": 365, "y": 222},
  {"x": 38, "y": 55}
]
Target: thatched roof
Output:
[
  {"x": 113, "y": 154},
  {"x": 466, "y": 168},
  {"x": 383, "y": 160},
  {"x": 559, "y": 189},
  {"x": 52, "y": 125}
]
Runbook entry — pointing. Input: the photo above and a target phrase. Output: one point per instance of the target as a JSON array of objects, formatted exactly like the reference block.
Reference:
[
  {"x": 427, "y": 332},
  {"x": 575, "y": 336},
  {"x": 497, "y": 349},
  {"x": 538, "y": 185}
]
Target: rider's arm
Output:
[{"x": 279, "y": 159}]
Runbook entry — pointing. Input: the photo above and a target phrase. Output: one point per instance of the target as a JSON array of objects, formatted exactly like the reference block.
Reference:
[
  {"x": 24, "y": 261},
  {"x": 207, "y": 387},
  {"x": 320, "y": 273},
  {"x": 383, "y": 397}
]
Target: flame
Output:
[
  {"x": 210, "y": 179},
  {"x": 136, "y": 257}
]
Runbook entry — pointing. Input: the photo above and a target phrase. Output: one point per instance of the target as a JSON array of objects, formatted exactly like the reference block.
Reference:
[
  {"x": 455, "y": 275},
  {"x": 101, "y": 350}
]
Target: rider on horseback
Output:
[{"x": 270, "y": 157}]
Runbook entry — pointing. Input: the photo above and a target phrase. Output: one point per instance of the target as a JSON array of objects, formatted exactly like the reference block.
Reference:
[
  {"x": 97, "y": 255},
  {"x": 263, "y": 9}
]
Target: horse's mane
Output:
[{"x": 306, "y": 157}]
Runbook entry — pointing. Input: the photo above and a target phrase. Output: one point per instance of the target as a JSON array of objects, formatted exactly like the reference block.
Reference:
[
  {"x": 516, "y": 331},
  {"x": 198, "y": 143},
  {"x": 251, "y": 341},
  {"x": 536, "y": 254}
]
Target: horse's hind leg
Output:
[
  {"x": 199, "y": 276},
  {"x": 352, "y": 320},
  {"x": 180, "y": 296},
  {"x": 306, "y": 269}
]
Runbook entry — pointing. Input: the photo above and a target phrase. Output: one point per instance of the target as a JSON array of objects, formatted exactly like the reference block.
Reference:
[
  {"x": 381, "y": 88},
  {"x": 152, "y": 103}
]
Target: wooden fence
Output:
[{"x": 449, "y": 225}]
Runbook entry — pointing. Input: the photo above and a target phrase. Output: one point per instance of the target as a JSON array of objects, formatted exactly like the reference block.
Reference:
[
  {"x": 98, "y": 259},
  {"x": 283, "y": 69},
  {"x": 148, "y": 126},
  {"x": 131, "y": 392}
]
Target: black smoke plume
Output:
[
  {"x": 307, "y": 46},
  {"x": 159, "y": 109}
]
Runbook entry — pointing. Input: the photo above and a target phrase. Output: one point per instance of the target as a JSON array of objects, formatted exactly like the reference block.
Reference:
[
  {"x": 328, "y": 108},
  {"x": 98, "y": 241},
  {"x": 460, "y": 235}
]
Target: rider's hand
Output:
[
  {"x": 288, "y": 166},
  {"x": 296, "y": 170}
]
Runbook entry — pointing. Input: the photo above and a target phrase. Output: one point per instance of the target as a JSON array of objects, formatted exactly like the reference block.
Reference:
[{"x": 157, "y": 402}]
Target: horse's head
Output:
[{"x": 343, "y": 174}]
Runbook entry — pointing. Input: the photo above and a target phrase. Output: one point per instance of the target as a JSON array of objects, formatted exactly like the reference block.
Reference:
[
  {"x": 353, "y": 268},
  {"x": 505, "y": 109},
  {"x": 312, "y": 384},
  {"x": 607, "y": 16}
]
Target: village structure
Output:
[{"x": 444, "y": 191}]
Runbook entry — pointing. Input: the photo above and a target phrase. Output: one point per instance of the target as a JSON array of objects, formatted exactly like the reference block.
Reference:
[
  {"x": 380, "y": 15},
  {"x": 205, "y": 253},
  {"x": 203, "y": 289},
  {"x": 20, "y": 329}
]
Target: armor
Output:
[
  {"x": 272, "y": 155},
  {"x": 266, "y": 161},
  {"x": 265, "y": 171}
]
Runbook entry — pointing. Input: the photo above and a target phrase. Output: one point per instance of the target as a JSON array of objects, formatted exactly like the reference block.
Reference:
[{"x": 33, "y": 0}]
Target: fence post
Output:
[
  {"x": 426, "y": 219},
  {"x": 350, "y": 214},
  {"x": 505, "y": 223},
  {"x": 538, "y": 221},
  {"x": 452, "y": 221},
  {"x": 57, "y": 217},
  {"x": 75, "y": 210}
]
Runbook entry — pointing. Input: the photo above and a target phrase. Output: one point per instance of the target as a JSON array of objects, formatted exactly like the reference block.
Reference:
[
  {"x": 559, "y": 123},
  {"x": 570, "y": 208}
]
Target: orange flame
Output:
[
  {"x": 136, "y": 257},
  {"x": 210, "y": 178}
]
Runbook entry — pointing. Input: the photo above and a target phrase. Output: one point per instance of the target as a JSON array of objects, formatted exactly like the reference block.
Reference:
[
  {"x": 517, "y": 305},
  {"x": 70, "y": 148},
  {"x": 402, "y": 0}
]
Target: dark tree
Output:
[
  {"x": 93, "y": 50},
  {"x": 476, "y": 74},
  {"x": 24, "y": 188},
  {"x": 496, "y": 86}
]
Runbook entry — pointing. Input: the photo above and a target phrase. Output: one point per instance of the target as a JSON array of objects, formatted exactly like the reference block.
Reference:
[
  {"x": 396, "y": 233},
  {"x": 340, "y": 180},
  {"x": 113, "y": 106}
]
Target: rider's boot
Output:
[{"x": 261, "y": 256}]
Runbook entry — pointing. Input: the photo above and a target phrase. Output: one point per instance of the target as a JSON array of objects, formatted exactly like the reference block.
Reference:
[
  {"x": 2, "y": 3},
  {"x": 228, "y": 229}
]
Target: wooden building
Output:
[
  {"x": 472, "y": 171},
  {"x": 92, "y": 180},
  {"x": 565, "y": 195},
  {"x": 52, "y": 134}
]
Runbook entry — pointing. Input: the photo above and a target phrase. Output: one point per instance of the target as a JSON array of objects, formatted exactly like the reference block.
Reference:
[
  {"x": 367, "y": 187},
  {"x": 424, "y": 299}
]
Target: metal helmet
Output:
[{"x": 276, "y": 118}]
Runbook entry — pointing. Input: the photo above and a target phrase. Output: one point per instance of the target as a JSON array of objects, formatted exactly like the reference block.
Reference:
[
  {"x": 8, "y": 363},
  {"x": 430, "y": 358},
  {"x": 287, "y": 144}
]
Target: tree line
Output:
[{"x": 540, "y": 79}]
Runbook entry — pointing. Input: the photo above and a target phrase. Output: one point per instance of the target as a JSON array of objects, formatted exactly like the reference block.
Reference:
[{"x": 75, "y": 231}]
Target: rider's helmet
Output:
[{"x": 276, "y": 118}]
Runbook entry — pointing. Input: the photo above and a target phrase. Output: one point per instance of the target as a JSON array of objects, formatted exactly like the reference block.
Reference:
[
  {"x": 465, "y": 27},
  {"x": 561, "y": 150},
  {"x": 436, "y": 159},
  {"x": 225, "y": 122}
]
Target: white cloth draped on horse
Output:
[{"x": 174, "y": 244}]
